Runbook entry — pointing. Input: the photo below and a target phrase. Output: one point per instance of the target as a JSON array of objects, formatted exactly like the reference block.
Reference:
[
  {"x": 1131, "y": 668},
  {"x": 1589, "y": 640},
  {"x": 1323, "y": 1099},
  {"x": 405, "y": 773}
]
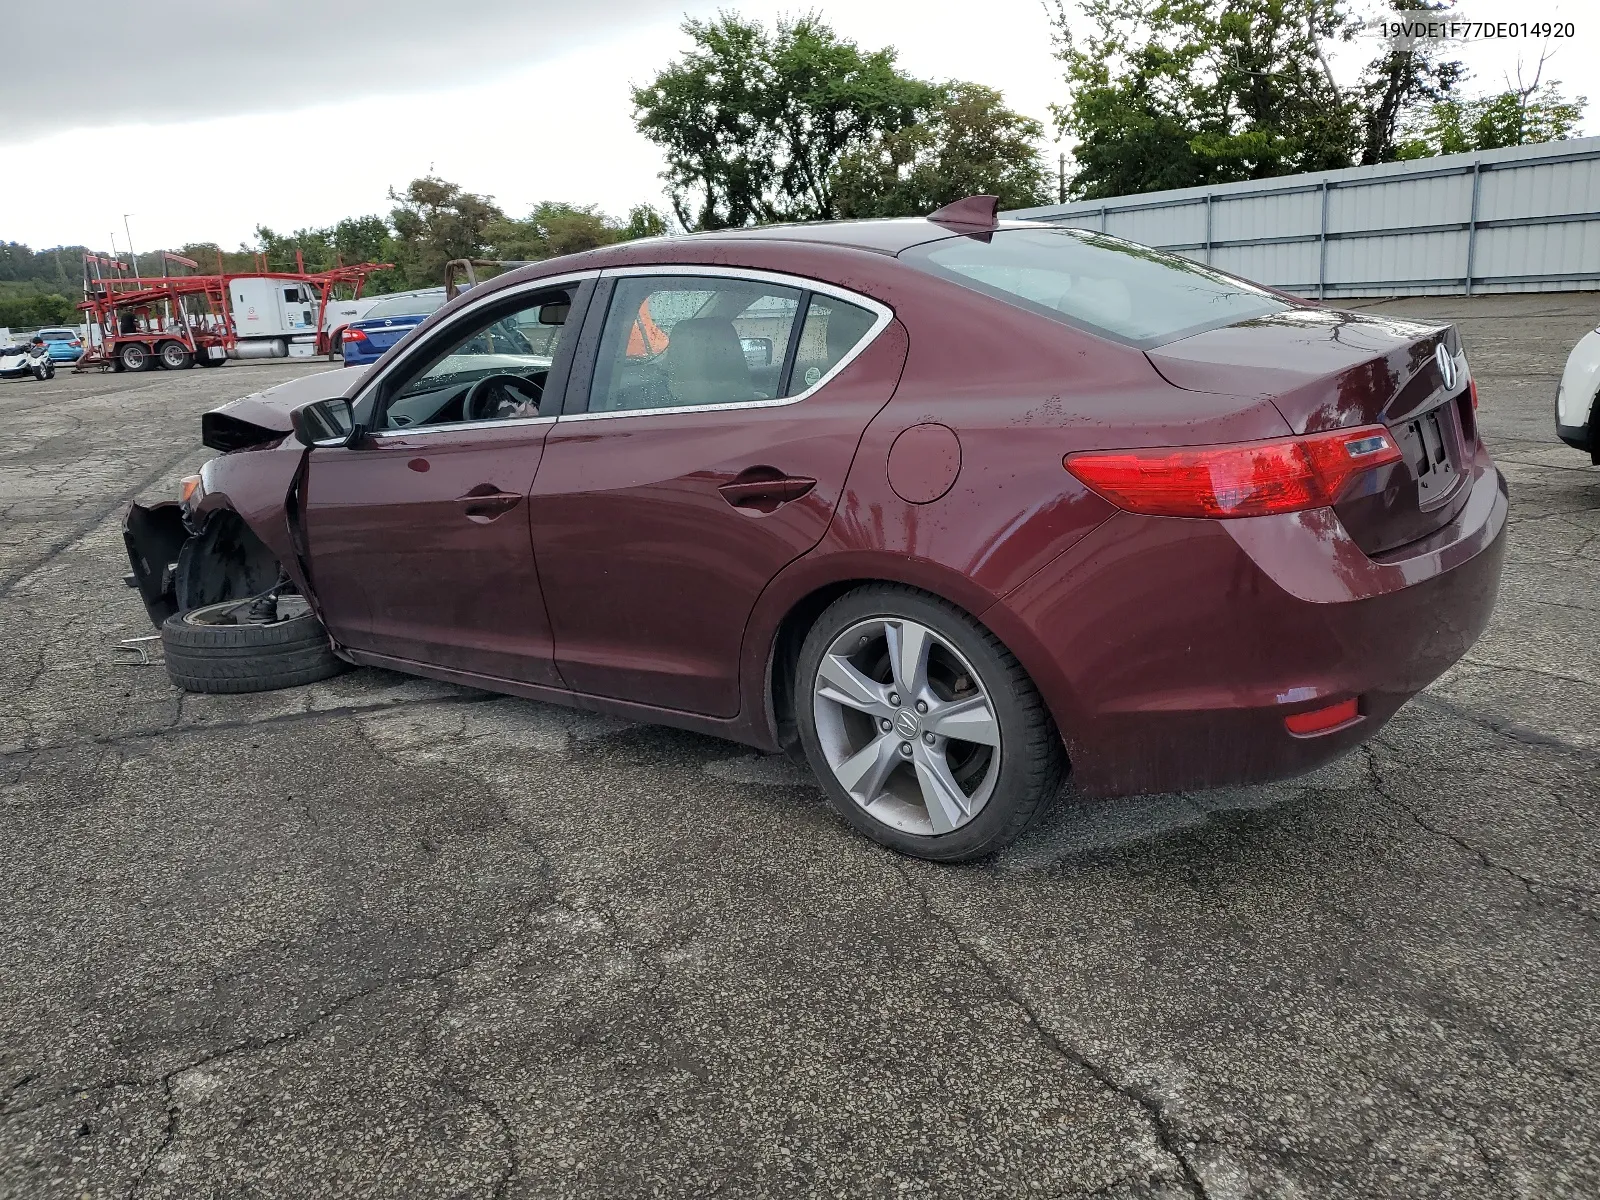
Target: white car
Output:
[{"x": 1578, "y": 398}]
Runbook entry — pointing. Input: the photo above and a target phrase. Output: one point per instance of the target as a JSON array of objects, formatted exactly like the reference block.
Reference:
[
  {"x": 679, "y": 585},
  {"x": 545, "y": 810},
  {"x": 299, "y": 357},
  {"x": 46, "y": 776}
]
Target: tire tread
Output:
[{"x": 247, "y": 658}]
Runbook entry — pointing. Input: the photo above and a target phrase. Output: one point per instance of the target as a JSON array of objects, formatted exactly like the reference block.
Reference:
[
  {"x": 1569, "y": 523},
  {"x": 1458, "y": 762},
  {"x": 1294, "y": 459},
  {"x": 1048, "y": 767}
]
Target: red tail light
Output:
[
  {"x": 1472, "y": 386},
  {"x": 1245, "y": 479},
  {"x": 354, "y": 335}
]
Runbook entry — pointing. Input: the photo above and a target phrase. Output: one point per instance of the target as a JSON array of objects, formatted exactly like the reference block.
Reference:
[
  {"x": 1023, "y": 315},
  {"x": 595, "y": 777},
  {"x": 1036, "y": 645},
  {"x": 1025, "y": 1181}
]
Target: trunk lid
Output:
[
  {"x": 386, "y": 331},
  {"x": 1324, "y": 369}
]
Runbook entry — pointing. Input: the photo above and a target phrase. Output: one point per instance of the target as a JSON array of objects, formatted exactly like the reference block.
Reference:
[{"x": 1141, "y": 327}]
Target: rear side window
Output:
[
  {"x": 833, "y": 328},
  {"x": 691, "y": 341},
  {"x": 1119, "y": 289}
]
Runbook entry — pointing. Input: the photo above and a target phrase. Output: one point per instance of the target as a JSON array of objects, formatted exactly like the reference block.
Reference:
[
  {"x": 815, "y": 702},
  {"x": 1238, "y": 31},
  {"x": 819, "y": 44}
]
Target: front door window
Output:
[{"x": 495, "y": 370}]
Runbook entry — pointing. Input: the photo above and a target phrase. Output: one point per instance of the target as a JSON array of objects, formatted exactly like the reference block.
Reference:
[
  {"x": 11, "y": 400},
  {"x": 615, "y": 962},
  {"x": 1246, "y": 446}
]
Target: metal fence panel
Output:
[{"x": 1524, "y": 218}]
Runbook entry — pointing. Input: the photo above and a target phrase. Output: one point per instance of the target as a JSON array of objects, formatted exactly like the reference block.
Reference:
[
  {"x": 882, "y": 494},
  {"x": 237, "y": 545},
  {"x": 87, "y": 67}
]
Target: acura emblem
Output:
[
  {"x": 1447, "y": 366},
  {"x": 906, "y": 723}
]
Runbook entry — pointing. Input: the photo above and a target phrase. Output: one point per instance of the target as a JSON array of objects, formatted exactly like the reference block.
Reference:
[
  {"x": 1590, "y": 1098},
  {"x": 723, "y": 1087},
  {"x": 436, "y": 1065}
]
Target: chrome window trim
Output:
[
  {"x": 411, "y": 431},
  {"x": 882, "y": 312},
  {"x": 532, "y": 286}
]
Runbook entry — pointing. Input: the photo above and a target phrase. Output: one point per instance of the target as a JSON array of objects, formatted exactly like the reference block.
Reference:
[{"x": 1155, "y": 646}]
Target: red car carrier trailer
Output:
[{"x": 176, "y": 321}]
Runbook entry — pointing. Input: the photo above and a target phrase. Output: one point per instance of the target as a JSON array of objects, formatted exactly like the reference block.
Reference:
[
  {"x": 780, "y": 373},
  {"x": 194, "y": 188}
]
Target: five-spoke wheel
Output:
[
  {"x": 925, "y": 730},
  {"x": 906, "y": 726}
]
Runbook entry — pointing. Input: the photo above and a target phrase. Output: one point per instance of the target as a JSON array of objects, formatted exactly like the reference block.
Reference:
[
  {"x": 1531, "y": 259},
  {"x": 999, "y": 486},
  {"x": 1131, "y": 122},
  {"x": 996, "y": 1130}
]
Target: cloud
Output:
[{"x": 187, "y": 59}]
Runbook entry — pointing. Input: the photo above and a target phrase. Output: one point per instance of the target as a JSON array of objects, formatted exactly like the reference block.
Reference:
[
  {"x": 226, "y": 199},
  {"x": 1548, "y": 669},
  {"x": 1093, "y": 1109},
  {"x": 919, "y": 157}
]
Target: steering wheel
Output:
[{"x": 494, "y": 398}]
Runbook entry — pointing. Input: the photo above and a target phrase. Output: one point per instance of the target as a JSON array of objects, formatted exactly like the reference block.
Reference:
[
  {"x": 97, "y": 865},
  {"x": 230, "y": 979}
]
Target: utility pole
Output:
[
  {"x": 131, "y": 253},
  {"x": 1061, "y": 179}
]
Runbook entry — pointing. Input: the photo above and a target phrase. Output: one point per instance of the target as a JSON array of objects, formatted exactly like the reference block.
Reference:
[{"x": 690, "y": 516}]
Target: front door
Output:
[
  {"x": 716, "y": 433},
  {"x": 418, "y": 533}
]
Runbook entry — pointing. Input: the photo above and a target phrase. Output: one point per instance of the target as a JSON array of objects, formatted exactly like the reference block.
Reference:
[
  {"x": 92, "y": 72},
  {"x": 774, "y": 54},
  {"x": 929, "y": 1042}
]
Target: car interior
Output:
[
  {"x": 725, "y": 343},
  {"x": 497, "y": 374}
]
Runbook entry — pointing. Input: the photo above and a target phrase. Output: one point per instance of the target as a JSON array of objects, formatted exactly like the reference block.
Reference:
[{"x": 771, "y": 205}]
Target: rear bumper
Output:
[
  {"x": 1576, "y": 436},
  {"x": 1174, "y": 649},
  {"x": 354, "y": 357}
]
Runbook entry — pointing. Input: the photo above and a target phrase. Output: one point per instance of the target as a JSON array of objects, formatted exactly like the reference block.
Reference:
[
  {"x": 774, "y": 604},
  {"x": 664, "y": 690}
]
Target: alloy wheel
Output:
[{"x": 906, "y": 725}]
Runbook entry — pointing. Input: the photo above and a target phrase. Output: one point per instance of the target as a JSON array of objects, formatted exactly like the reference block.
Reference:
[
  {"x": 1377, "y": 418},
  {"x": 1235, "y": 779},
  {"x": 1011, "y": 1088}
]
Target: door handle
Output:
[
  {"x": 764, "y": 489},
  {"x": 486, "y": 502}
]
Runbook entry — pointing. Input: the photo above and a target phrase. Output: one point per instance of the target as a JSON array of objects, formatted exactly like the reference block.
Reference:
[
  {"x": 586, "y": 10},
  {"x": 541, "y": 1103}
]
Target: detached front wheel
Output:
[
  {"x": 219, "y": 648},
  {"x": 927, "y": 734}
]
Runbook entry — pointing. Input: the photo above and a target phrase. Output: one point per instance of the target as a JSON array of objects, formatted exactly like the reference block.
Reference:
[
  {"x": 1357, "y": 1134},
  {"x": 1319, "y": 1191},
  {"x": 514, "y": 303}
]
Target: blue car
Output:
[
  {"x": 385, "y": 323},
  {"x": 62, "y": 344}
]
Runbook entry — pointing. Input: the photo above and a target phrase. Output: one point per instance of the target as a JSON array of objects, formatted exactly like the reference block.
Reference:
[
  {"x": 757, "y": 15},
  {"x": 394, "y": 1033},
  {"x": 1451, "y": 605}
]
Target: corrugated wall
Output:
[{"x": 1522, "y": 219}]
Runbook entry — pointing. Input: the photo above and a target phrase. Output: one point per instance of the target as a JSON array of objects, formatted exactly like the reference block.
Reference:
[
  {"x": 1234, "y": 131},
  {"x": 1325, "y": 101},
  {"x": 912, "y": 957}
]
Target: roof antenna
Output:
[{"x": 980, "y": 211}]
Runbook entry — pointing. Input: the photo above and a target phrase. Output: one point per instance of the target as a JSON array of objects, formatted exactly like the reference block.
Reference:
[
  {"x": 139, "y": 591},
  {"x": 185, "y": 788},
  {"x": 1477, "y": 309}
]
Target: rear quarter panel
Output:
[{"x": 1020, "y": 393}]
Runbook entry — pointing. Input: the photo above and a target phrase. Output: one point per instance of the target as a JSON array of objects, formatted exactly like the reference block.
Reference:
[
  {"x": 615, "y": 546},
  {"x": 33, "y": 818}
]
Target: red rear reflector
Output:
[
  {"x": 1472, "y": 386},
  {"x": 1320, "y": 720},
  {"x": 1246, "y": 479}
]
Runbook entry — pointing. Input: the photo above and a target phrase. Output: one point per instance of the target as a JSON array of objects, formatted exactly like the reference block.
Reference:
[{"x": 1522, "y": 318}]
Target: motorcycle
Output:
[{"x": 26, "y": 358}]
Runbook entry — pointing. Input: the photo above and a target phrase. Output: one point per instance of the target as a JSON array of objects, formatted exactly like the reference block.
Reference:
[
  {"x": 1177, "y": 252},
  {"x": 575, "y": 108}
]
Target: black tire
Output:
[
  {"x": 336, "y": 347},
  {"x": 45, "y": 370},
  {"x": 133, "y": 356},
  {"x": 205, "y": 360},
  {"x": 1031, "y": 769},
  {"x": 245, "y": 658},
  {"x": 175, "y": 356}
]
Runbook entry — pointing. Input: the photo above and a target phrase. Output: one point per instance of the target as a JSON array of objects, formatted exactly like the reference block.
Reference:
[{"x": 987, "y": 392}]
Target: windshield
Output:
[
  {"x": 406, "y": 306},
  {"x": 1127, "y": 291},
  {"x": 57, "y": 335}
]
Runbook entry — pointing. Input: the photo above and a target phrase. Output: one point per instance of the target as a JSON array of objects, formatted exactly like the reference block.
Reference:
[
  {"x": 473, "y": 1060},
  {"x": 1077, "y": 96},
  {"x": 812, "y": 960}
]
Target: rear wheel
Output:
[
  {"x": 175, "y": 356},
  {"x": 132, "y": 356},
  {"x": 218, "y": 648},
  {"x": 336, "y": 348},
  {"x": 927, "y": 734}
]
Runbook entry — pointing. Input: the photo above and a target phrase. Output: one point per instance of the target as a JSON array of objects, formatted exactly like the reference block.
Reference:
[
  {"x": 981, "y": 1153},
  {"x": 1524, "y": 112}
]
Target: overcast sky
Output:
[{"x": 276, "y": 115}]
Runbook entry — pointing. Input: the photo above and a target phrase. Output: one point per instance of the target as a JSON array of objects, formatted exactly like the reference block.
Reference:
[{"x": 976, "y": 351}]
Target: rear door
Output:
[
  {"x": 418, "y": 534},
  {"x": 702, "y": 450}
]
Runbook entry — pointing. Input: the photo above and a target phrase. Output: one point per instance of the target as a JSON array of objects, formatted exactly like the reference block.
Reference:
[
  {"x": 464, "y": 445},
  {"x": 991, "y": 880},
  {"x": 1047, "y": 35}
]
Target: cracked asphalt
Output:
[{"x": 384, "y": 937}]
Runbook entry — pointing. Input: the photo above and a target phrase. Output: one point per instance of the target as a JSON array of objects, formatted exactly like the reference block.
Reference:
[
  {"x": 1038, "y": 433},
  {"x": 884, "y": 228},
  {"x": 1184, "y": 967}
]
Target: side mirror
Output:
[
  {"x": 757, "y": 351},
  {"x": 326, "y": 423}
]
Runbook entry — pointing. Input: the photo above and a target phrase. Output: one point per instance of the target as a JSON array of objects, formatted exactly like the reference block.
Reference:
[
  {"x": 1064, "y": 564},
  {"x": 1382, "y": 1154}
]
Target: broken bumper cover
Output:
[{"x": 155, "y": 536}]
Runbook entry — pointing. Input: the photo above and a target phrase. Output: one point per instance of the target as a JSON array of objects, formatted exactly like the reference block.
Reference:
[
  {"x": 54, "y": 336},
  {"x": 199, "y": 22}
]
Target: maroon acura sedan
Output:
[{"x": 953, "y": 506}]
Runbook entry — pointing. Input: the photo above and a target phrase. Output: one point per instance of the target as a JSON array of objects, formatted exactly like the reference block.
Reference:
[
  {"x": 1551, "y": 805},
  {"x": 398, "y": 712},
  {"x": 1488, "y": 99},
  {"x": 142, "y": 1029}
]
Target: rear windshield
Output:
[
  {"x": 57, "y": 335},
  {"x": 406, "y": 306},
  {"x": 1123, "y": 290}
]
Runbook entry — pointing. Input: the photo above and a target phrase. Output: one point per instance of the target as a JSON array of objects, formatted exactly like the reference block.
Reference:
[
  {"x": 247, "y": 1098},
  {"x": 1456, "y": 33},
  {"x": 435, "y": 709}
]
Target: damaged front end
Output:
[{"x": 181, "y": 559}]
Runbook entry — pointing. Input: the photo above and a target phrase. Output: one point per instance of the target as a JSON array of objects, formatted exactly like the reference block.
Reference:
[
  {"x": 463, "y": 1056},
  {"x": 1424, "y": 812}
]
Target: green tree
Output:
[
  {"x": 1396, "y": 83},
  {"x": 1515, "y": 117},
  {"x": 363, "y": 239},
  {"x": 643, "y": 221},
  {"x": 435, "y": 221},
  {"x": 313, "y": 246},
  {"x": 754, "y": 124},
  {"x": 1174, "y": 93},
  {"x": 552, "y": 229},
  {"x": 970, "y": 144},
  {"x": 30, "y": 309}
]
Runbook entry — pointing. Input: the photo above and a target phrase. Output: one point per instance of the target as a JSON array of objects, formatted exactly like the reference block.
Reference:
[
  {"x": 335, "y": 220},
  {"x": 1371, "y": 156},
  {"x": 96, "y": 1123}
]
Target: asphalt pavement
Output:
[{"x": 385, "y": 937}]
